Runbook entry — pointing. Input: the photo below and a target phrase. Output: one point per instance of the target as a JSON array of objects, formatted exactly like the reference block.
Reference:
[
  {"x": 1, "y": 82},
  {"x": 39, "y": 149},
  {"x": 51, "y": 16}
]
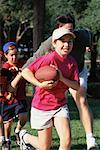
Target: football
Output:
[{"x": 47, "y": 73}]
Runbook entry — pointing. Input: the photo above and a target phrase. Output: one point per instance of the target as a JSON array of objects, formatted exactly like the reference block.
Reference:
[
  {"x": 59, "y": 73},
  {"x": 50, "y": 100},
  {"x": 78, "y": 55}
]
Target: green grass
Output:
[{"x": 78, "y": 134}]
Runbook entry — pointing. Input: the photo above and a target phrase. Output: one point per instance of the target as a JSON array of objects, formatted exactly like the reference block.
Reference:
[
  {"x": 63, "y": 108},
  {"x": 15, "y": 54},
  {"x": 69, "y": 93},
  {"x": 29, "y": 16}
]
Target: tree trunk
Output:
[
  {"x": 38, "y": 22},
  {"x": 94, "y": 53},
  {"x": 2, "y": 41},
  {"x": 93, "y": 63}
]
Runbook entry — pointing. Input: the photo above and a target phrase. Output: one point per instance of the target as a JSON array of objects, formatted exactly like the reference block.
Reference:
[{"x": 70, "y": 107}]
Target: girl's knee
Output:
[{"x": 1, "y": 121}]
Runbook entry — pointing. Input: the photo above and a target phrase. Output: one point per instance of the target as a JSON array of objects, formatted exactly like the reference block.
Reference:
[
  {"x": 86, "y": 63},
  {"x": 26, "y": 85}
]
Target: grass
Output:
[{"x": 78, "y": 134}]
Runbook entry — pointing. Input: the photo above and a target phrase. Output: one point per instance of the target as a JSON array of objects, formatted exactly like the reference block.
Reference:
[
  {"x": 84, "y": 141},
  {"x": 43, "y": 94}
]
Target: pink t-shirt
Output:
[{"x": 54, "y": 98}]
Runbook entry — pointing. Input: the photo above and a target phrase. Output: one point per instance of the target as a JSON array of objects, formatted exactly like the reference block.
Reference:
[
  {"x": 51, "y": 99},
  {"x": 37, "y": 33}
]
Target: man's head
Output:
[
  {"x": 62, "y": 40},
  {"x": 67, "y": 21}
]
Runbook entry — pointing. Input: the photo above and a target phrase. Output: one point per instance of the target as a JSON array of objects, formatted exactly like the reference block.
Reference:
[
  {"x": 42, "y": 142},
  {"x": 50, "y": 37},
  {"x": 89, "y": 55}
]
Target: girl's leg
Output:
[
  {"x": 62, "y": 126},
  {"x": 22, "y": 119},
  {"x": 27, "y": 139},
  {"x": 45, "y": 138},
  {"x": 1, "y": 130},
  {"x": 7, "y": 129}
]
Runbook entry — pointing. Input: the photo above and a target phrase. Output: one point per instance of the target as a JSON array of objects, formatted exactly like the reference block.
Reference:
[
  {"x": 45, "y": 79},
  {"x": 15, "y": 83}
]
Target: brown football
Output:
[{"x": 47, "y": 73}]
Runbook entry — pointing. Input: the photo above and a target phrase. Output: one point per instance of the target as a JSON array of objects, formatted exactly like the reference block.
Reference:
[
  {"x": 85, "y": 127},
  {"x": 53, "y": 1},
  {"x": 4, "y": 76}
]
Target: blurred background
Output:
[{"x": 30, "y": 22}]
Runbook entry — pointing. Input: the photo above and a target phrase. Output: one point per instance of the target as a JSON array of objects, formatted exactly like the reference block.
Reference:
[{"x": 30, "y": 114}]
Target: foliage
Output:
[
  {"x": 16, "y": 9},
  {"x": 86, "y": 12},
  {"x": 91, "y": 16},
  {"x": 56, "y": 8},
  {"x": 15, "y": 14},
  {"x": 91, "y": 19}
]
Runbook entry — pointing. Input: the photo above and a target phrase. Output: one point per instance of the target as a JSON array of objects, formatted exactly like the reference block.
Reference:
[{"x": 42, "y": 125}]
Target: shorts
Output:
[
  {"x": 2, "y": 100},
  {"x": 14, "y": 109},
  {"x": 83, "y": 77},
  {"x": 41, "y": 119},
  {"x": 1, "y": 108}
]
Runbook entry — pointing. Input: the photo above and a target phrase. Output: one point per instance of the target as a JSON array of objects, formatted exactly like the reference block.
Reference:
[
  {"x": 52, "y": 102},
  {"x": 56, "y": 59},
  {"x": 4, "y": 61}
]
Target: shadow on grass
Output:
[
  {"x": 73, "y": 147},
  {"x": 79, "y": 147},
  {"x": 14, "y": 144},
  {"x": 78, "y": 142},
  {"x": 94, "y": 105}
]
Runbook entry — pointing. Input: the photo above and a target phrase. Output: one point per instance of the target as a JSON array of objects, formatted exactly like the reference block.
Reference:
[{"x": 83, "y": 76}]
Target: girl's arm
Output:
[
  {"x": 16, "y": 80},
  {"x": 29, "y": 76},
  {"x": 70, "y": 83},
  {"x": 12, "y": 87}
]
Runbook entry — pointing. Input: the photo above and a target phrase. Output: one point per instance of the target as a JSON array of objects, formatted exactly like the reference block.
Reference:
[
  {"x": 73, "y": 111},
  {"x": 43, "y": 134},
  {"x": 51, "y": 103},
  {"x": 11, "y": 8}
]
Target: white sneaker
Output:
[
  {"x": 91, "y": 144},
  {"x": 23, "y": 145}
]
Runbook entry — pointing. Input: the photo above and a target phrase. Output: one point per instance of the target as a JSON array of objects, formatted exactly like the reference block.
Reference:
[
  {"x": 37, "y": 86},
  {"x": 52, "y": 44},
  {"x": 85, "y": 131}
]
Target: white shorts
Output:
[
  {"x": 44, "y": 119},
  {"x": 83, "y": 77}
]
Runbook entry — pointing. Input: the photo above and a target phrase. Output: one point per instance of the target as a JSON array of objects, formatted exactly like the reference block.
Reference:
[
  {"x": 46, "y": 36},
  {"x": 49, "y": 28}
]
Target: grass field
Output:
[{"x": 78, "y": 135}]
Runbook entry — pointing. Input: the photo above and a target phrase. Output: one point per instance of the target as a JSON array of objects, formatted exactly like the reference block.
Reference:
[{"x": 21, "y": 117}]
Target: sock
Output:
[
  {"x": 7, "y": 139},
  {"x": 89, "y": 136},
  {"x": 17, "y": 130},
  {"x": 2, "y": 138},
  {"x": 25, "y": 137}
]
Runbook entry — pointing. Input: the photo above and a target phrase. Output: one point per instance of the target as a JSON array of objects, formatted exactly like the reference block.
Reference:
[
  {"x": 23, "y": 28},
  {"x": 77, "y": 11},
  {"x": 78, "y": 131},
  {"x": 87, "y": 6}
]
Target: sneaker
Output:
[
  {"x": 23, "y": 145},
  {"x": 6, "y": 145},
  {"x": 92, "y": 145},
  {"x": 0, "y": 143},
  {"x": 17, "y": 138}
]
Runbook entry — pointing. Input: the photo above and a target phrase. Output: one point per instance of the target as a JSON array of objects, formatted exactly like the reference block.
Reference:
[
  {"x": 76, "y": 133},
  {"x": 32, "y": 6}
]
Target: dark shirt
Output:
[{"x": 5, "y": 78}]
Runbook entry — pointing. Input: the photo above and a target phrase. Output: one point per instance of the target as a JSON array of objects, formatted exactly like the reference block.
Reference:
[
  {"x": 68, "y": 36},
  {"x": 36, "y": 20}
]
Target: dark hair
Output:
[{"x": 67, "y": 18}]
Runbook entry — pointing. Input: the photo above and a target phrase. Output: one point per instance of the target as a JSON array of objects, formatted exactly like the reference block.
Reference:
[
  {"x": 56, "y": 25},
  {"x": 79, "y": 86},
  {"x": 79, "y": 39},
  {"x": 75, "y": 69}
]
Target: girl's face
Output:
[
  {"x": 12, "y": 56},
  {"x": 64, "y": 45}
]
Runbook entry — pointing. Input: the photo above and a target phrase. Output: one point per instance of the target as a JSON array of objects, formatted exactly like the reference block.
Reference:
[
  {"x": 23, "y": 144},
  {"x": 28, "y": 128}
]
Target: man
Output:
[{"x": 81, "y": 41}]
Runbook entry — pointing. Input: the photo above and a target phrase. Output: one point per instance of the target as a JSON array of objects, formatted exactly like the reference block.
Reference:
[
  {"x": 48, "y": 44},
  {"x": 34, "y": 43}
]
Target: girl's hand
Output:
[
  {"x": 48, "y": 84},
  {"x": 60, "y": 73},
  {"x": 54, "y": 66},
  {"x": 9, "y": 96},
  {"x": 14, "y": 68},
  {"x": 60, "y": 76}
]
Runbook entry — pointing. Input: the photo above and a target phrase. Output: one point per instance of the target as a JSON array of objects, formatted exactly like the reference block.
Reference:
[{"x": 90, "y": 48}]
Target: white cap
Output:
[{"x": 58, "y": 33}]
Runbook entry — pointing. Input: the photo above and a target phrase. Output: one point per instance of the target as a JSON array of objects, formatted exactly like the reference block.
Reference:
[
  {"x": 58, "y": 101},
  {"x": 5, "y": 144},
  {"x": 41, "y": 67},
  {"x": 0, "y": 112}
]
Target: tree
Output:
[
  {"x": 1, "y": 32},
  {"x": 13, "y": 13},
  {"x": 38, "y": 22}
]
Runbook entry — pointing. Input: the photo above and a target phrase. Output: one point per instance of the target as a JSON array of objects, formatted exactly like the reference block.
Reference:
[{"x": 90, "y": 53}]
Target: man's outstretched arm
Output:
[{"x": 43, "y": 49}]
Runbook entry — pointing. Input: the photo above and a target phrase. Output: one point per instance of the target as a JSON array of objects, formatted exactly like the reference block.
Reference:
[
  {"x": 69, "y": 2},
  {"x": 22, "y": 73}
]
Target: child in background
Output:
[
  {"x": 17, "y": 104},
  {"x": 49, "y": 104},
  {"x": 5, "y": 78}
]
